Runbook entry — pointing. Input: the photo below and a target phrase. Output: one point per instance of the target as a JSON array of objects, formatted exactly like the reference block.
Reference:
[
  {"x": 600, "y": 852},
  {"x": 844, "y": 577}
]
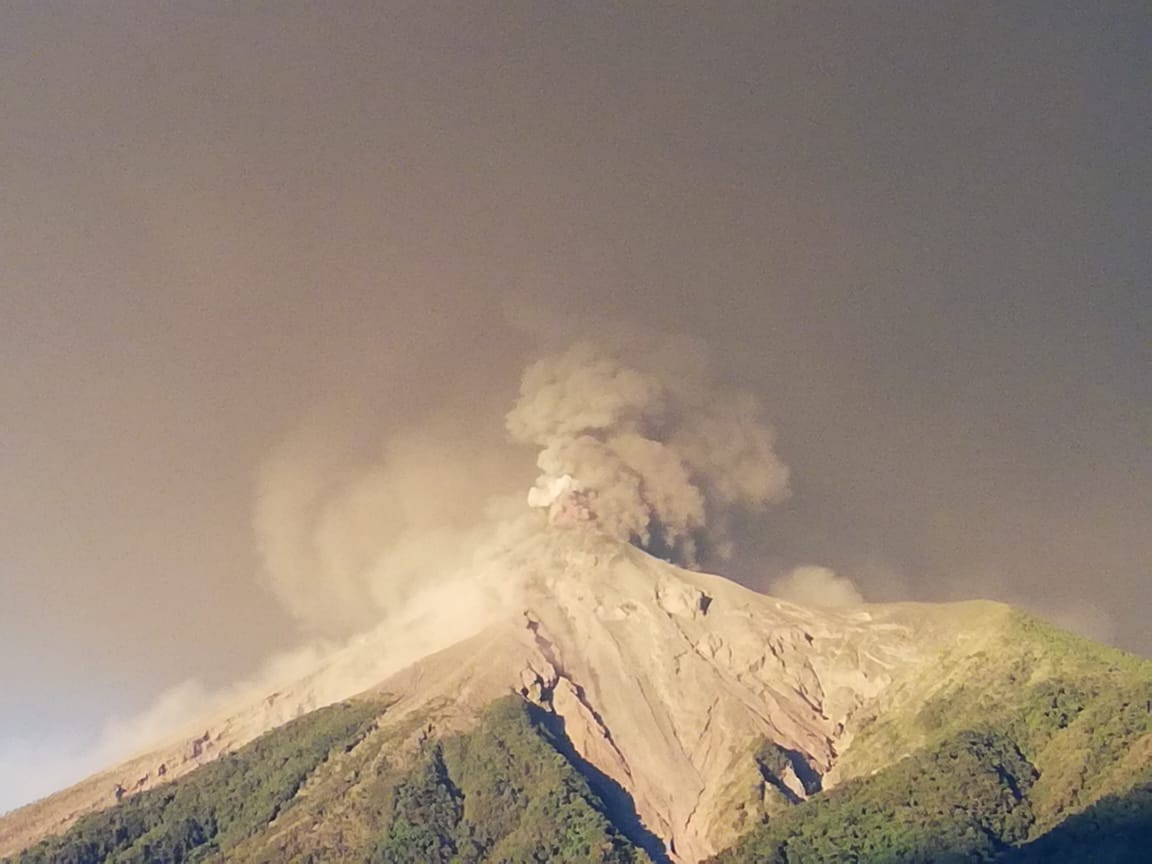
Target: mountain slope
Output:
[
  {"x": 666, "y": 679},
  {"x": 697, "y": 713},
  {"x": 1020, "y": 753},
  {"x": 218, "y": 806},
  {"x": 501, "y": 791}
]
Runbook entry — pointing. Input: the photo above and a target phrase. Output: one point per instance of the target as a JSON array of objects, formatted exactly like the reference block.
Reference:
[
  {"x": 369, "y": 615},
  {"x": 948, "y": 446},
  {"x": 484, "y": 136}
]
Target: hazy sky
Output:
[{"x": 921, "y": 232}]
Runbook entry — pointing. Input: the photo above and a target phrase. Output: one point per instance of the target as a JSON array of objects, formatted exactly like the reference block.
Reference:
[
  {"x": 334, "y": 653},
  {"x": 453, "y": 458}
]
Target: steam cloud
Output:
[
  {"x": 660, "y": 460},
  {"x": 816, "y": 586}
]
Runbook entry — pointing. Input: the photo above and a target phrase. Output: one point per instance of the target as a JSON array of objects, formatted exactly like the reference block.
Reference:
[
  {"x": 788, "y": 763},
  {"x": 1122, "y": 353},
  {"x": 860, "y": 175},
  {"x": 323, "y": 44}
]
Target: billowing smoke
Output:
[
  {"x": 648, "y": 449},
  {"x": 659, "y": 457},
  {"x": 811, "y": 585},
  {"x": 348, "y": 542},
  {"x": 387, "y": 553}
]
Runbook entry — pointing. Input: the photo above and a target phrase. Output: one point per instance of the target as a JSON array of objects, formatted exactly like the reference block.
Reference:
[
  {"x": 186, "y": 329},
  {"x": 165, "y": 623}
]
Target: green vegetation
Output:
[
  {"x": 967, "y": 800},
  {"x": 216, "y": 806},
  {"x": 426, "y": 811},
  {"x": 1114, "y": 830},
  {"x": 775, "y": 763},
  {"x": 1033, "y": 746},
  {"x": 1039, "y": 749},
  {"x": 968, "y": 794},
  {"x": 503, "y": 792}
]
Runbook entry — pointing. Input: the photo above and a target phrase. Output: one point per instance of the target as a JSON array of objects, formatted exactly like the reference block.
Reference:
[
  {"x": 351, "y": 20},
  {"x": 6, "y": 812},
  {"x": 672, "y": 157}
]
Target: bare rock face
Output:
[
  {"x": 704, "y": 704},
  {"x": 669, "y": 681},
  {"x": 666, "y": 679}
]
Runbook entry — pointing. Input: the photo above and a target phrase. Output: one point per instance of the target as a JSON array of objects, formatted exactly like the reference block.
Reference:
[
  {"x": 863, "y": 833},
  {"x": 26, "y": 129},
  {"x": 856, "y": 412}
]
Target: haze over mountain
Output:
[{"x": 271, "y": 276}]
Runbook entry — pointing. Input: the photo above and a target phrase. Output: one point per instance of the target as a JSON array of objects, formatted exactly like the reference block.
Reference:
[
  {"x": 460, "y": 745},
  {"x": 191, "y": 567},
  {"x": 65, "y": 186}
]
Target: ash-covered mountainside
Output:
[
  {"x": 667, "y": 680},
  {"x": 694, "y": 714}
]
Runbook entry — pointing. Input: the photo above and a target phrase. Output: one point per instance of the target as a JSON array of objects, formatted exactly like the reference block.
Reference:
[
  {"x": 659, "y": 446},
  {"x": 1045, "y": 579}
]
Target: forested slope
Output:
[
  {"x": 501, "y": 792},
  {"x": 1040, "y": 751}
]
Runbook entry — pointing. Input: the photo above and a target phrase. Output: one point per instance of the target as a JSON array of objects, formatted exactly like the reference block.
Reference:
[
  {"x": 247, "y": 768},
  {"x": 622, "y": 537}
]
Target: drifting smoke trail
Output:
[{"x": 660, "y": 460}]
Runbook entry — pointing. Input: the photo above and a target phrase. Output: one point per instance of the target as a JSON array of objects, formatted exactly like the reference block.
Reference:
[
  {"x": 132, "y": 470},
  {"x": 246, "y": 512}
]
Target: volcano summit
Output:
[
  {"x": 626, "y": 707},
  {"x": 558, "y": 682}
]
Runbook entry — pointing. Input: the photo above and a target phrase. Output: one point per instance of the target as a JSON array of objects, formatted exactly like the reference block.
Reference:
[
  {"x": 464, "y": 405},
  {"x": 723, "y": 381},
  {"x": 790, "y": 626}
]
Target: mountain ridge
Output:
[{"x": 709, "y": 709}]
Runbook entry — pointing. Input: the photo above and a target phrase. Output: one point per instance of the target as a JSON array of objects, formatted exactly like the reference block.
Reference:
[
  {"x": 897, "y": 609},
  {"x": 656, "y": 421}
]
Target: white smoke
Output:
[
  {"x": 662, "y": 455},
  {"x": 816, "y": 586},
  {"x": 347, "y": 543}
]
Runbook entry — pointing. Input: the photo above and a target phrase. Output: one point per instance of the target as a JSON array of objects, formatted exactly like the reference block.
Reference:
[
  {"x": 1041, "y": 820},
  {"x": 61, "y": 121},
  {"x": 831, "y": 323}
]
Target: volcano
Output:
[{"x": 692, "y": 715}]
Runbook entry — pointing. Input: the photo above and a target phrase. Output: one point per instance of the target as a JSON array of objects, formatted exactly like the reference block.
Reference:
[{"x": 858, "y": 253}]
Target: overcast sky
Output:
[{"x": 921, "y": 232}]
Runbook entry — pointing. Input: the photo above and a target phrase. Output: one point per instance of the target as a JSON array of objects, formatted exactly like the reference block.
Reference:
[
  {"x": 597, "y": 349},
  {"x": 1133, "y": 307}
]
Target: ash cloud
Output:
[
  {"x": 348, "y": 542},
  {"x": 662, "y": 454},
  {"x": 811, "y": 585},
  {"x": 638, "y": 440}
]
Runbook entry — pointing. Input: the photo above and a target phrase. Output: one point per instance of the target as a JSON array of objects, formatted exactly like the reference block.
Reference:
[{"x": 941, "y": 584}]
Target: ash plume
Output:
[
  {"x": 659, "y": 454},
  {"x": 640, "y": 441}
]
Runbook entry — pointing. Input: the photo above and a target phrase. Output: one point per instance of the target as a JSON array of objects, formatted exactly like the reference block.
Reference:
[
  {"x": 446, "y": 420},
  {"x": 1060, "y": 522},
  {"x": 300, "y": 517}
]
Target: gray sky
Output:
[{"x": 919, "y": 231}]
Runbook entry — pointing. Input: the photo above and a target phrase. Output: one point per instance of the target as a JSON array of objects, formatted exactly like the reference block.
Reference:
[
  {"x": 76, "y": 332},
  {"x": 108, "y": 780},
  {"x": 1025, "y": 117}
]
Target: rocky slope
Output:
[
  {"x": 667, "y": 680},
  {"x": 701, "y": 706}
]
